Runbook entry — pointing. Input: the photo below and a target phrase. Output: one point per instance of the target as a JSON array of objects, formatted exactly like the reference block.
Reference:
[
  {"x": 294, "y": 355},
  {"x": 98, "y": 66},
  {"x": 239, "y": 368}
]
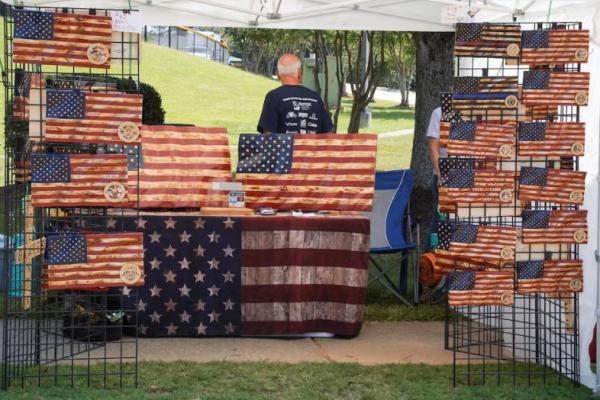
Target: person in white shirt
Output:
[{"x": 436, "y": 151}]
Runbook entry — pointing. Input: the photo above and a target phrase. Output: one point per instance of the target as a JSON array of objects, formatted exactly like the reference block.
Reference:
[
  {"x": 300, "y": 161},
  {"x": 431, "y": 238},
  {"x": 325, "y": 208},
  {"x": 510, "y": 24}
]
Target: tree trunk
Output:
[{"x": 434, "y": 73}]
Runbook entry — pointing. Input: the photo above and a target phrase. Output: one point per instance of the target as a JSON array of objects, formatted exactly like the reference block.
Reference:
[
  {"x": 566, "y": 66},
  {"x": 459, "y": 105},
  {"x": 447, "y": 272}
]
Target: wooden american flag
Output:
[
  {"x": 485, "y": 93},
  {"x": 62, "y": 39},
  {"x": 551, "y": 139},
  {"x": 494, "y": 141},
  {"x": 555, "y": 226},
  {"x": 487, "y": 40},
  {"x": 549, "y": 276},
  {"x": 551, "y": 185},
  {"x": 555, "y": 88},
  {"x": 178, "y": 165},
  {"x": 303, "y": 274},
  {"x": 487, "y": 186},
  {"x": 79, "y": 180},
  {"x": 479, "y": 288},
  {"x": 321, "y": 172},
  {"x": 74, "y": 116},
  {"x": 480, "y": 245},
  {"x": 94, "y": 261},
  {"x": 554, "y": 46}
]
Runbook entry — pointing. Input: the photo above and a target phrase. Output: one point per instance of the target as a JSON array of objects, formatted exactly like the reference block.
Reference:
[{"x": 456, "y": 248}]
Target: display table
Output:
[{"x": 249, "y": 275}]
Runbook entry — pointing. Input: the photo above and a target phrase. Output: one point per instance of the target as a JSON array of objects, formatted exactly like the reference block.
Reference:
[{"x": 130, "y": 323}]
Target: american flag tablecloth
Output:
[{"x": 221, "y": 276}]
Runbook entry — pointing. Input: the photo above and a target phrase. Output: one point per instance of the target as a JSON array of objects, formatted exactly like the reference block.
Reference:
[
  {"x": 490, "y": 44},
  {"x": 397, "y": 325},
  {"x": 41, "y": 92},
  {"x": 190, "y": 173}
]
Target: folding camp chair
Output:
[{"x": 391, "y": 232}]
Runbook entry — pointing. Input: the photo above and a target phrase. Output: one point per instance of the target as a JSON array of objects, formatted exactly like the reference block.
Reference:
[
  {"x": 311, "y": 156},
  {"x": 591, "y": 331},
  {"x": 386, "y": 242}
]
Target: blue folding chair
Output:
[{"x": 391, "y": 232}]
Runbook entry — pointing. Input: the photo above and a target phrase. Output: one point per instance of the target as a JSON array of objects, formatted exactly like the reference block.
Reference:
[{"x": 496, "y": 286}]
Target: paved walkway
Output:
[{"x": 378, "y": 343}]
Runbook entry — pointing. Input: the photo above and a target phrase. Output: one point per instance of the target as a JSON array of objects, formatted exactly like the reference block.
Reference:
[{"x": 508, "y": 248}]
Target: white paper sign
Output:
[
  {"x": 126, "y": 22},
  {"x": 454, "y": 13}
]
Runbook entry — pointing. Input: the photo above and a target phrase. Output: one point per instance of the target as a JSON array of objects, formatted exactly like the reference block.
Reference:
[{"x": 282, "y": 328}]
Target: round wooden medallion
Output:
[
  {"x": 128, "y": 132},
  {"x": 581, "y": 99},
  {"x": 580, "y": 236},
  {"x": 506, "y": 150},
  {"x": 513, "y": 50},
  {"x": 114, "y": 191},
  {"x": 507, "y": 253},
  {"x": 506, "y": 298},
  {"x": 575, "y": 284},
  {"x": 130, "y": 274},
  {"x": 577, "y": 149},
  {"x": 581, "y": 54},
  {"x": 506, "y": 195},
  {"x": 576, "y": 196},
  {"x": 511, "y": 101},
  {"x": 97, "y": 53}
]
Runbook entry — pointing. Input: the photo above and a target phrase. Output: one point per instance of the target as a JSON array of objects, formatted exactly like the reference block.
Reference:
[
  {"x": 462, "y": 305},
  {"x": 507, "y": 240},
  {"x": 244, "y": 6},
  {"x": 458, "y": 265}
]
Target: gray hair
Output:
[{"x": 289, "y": 69}]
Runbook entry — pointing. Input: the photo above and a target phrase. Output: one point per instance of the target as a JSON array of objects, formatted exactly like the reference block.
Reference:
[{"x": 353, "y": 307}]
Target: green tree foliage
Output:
[{"x": 152, "y": 111}]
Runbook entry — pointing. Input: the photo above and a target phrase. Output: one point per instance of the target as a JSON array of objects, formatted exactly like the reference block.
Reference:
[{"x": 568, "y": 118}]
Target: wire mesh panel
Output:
[
  {"x": 63, "y": 321},
  {"x": 523, "y": 330}
]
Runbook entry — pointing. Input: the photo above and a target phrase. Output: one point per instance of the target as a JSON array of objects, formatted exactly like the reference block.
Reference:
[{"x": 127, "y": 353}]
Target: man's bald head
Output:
[{"x": 289, "y": 69}]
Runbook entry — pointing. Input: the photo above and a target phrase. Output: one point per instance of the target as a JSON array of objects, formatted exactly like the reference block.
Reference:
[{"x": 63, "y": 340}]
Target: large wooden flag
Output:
[
  {"x": 485, "y": 186},
  {"x": 551, "y": 185},
  {"x": 178, "y": 166},
  {"x": 79, "y": 180},
  {"x": 485, "y": 93},
  {"x": 481, "y": 245},
  {"x": 79, "y": 117},
  {"x": 494, "y": 141},
  {"x": 487, "y": 40},
  {"x": 303, "y": 275},
  {"x": 553, "y": 88},
  {"x": 62, "y": 39},
  {"x": 554, "y": 46},
  {"x": 549, "y": 276},
  {"x": 480, "y": 288},
  {"x": 551, "y": 139},
  {"x": 308, "y": 172},
  {"x": 20, "y": 104},
  {"x": 94, "y": 261},
  {"x": 555, "y": 226}
]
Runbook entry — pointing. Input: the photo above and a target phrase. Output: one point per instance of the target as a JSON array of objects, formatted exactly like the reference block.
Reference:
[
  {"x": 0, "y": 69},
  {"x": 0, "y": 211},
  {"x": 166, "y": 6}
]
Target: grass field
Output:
[{"x": 306, "y": 381}]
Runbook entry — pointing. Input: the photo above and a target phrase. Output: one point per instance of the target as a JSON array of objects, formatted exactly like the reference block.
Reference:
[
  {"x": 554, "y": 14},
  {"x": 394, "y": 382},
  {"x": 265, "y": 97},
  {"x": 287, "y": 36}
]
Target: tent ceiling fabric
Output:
[{"x": 395, "y": 15}]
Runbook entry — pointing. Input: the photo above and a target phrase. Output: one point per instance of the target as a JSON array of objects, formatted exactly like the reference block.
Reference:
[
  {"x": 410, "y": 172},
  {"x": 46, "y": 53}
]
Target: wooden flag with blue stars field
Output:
[
  {"x": 551, "y": 185},
  {"x": 74, "y": 116},
  {"x": 308, "y": 172},
  {"x": 491, "y": 141},
  {"x": 192, "y": 283},
  {"x": 487, "y": 40},
  {"x": 555, "y": 226},
  {"x": 551, "y": 139},
  {"x": 554, "y": 88},
  {"x": 481, "y": 186},
  {"x": 480, "y": 288},
  {"x": 93, "y": 261},
  {"x": 485, "y": 93},
  {"x": 48, "y": 38},
  {"x": 549, "y": 276},
  {"x": 79, "y": 180},
  {"x": 554, "y": 46}
]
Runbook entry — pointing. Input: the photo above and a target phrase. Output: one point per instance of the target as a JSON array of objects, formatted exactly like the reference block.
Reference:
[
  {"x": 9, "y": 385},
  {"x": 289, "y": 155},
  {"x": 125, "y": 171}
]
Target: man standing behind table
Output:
[{"x": 293, "y": 108}]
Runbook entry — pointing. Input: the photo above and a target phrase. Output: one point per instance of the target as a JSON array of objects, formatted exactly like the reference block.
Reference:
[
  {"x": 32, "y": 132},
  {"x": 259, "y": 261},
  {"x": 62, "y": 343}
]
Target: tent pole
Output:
[{"x": 597, "y": 257}]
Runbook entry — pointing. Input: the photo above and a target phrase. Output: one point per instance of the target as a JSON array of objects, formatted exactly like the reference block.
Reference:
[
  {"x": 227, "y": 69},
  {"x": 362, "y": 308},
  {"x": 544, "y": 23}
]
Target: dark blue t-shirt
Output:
[{"x": 294, "y": 109}]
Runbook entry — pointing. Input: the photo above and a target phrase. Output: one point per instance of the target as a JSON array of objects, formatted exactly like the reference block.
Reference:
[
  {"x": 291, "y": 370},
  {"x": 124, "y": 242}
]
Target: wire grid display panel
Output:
[
  {"x": 534, "y": 340},
  {"x": 58, "y": 337}
]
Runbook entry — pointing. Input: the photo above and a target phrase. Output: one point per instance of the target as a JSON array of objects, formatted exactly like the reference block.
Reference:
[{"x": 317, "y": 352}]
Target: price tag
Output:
[
  {"x": 453, "y": 14},
  {"x": 126, "y": 22},
  {"x": 237, "y": 199}
]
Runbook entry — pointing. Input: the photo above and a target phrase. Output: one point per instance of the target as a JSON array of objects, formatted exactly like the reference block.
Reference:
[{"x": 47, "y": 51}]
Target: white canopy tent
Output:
[{"x": 410, "y": 15}]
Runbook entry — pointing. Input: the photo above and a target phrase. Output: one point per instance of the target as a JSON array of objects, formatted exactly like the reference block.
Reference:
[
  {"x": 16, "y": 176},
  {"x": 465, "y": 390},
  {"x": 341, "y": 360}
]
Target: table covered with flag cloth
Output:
[{"x": 249, "y": 275}]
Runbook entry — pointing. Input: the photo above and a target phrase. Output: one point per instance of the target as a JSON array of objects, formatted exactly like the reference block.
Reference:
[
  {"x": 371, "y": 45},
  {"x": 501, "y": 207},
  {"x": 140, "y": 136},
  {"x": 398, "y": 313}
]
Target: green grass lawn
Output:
[{"x": 305, "y": 381}]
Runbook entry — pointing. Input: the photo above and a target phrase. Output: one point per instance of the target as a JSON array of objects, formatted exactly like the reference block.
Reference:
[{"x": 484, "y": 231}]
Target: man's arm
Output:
[
  {"x": 269, "y": 117},
  {"x": 434, "y": 154}
]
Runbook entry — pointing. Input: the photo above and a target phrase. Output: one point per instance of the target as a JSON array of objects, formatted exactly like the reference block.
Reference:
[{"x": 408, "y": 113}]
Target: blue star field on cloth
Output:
[
  {"x": 535, "y": 176},
  {"x": 192, "y": 275},
  {"x": 530, "y": 269},
  {"x": 66, "y": 249},
  {"x": 50, "y": 168},
  {"x": 33, "y": 24},
  {"x": 535, "y": 219},
  {"x": 468, "y": 32},
  {"x": 532, "y": 131},
  {"x": 445, "y": 229},
  {"x": 464, "y": 233},
  {"x": 460, "y": 178},
  {"x": 534, "y": 39},
  {"x": 65, "y": 104},
  {"x": 462, "y": 130},
  {"x": 536, "y": 79},
  {"x": 270, "y": 153},
  {"x": 135, "y": 158},
  {"x": 461, "y": 280}
]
